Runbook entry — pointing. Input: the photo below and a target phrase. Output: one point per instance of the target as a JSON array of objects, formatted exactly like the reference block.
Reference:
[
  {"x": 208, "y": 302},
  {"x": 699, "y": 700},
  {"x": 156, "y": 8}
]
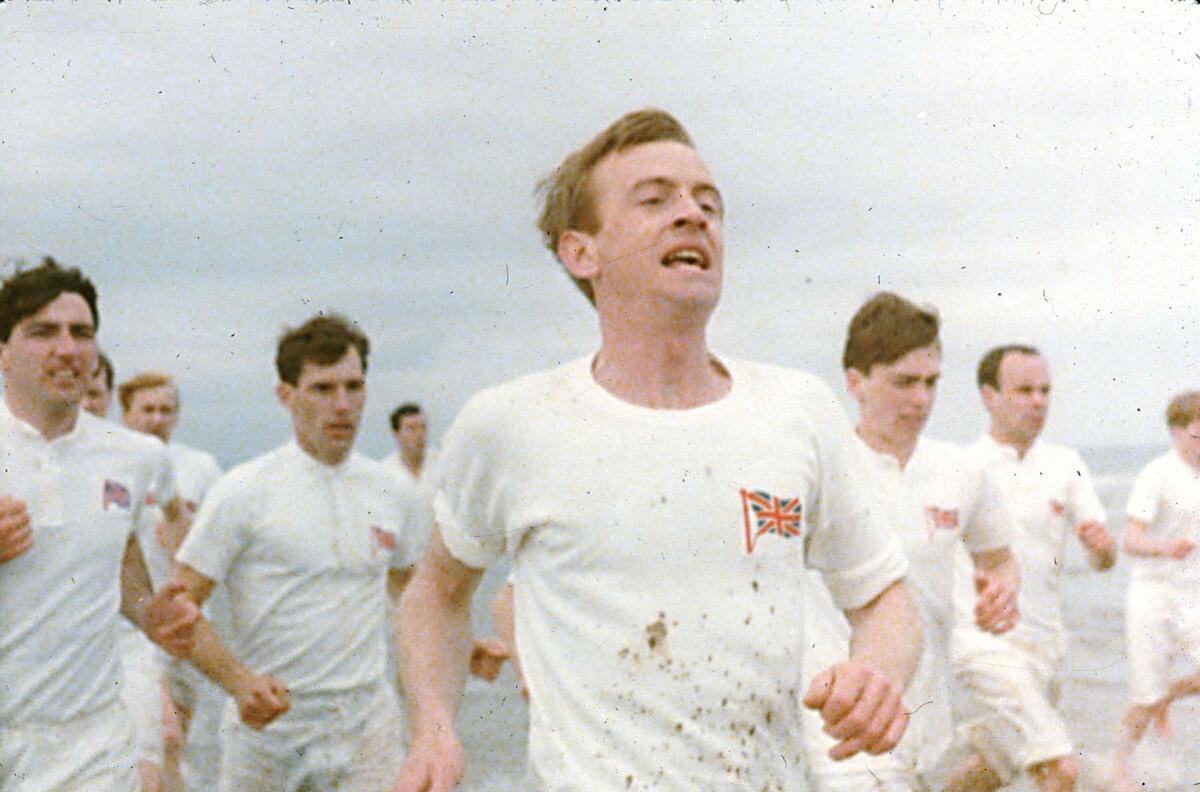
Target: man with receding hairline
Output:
[
  {"x": 661, "y": 504},
  {"x": 1009, "y": 679}
]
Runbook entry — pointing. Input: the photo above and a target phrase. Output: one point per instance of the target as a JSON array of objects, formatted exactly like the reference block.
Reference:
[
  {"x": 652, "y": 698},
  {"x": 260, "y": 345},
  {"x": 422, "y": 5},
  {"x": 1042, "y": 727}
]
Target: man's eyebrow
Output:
[
  {"x": 663, "y": 181},
  {"x": 653, "y": 181}
]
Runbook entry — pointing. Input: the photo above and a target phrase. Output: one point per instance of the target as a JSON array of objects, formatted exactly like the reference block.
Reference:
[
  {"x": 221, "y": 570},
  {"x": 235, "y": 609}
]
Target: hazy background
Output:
[{"x": 222, "y": 169}]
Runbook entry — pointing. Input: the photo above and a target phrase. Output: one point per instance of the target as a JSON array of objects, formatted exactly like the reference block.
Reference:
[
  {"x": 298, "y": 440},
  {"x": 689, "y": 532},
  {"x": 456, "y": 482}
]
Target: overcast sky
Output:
[{"x": 223, "y": 169}]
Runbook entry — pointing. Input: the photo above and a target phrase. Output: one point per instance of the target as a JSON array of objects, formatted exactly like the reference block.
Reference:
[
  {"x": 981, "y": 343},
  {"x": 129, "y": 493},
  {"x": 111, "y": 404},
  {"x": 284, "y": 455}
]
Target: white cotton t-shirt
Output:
[
  {"x": 60, "y": 600},
  {"x": 423, "y": 485},
  {"x": 658, "y": 582},
  {"x": 303, "y": 549},
  {"x": 1166, "y": 496},
  {"x": 941, "y": 505},
  {"x": 1049, "y": 492}
]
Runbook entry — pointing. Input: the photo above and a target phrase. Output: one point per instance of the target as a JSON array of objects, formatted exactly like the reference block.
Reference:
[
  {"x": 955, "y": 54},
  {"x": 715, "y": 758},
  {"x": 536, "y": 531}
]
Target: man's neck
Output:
[
  {"x": 413, "y": 461},
  {"x": 669, "y": 369},
  {"x": 51, "y": 420},
  {"x": 901, "y": 451},
  {"x": 1018, "y": 444}
]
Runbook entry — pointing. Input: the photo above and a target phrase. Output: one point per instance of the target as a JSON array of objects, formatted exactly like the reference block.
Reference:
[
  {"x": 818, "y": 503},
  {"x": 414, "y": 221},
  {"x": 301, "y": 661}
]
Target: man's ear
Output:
[
  {"x": 989, "y": 396},
  {"x": 854, "y": 383},
  {"x": 576, "y": 251},
  {"x": 285, "y": 392}
]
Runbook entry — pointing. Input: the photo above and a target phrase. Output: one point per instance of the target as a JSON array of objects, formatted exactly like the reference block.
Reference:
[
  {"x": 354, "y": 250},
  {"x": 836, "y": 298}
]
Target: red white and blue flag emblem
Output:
[
  {"x": 940, "y": 519},
  {"x": 382, "y": 540},
  {"x": 115, "y": 495},
  {"x": 763, "y": 513}
]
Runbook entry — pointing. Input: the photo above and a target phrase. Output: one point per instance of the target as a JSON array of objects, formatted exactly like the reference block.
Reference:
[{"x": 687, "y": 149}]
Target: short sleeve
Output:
[
  {"x": 415, "y": 520},
  {"x": 210, "y": 473},
  {"x": 1085, "y": 503},
  {"x": 470, "y": 502},
  {"x": 1143, "y": 496},
  {"x": 160, "y": 491},
  {"x": 220, "y": 529},
  {"x": 990, "y": 524},
  {"x": 850, "y": 543}
]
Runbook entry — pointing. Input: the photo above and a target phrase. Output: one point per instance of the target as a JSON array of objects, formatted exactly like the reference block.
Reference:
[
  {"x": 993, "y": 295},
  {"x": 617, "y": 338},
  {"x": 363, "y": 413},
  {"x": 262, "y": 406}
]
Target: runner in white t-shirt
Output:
[
  {"x": 1162, "y": 612},
  {"x": 1012, "y": 725},
  {"x": 661, "y": 505},
  {"x": 71, "y": 489},
  {"x": 150, "y": 405},
  {"x": 304, "y": 538},
  {"x": 941, "y": 507}
]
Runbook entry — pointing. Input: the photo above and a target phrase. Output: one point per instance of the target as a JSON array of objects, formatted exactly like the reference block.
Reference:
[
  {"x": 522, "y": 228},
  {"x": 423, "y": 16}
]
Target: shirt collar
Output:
[
  {"x": 13, "y": 425},
  {"x": 317, "y": 466}
]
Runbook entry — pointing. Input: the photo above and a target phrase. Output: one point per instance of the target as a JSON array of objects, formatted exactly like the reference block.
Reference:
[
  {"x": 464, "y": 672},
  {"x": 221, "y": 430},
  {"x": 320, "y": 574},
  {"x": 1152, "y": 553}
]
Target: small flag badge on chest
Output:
[
  {"x": 764, "y": 514},
  {"x": 115, "y": 494},
  {"x": 382, "y": 540}
]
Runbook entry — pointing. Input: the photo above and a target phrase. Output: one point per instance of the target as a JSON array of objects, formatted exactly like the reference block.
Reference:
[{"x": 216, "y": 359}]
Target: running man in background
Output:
[
  {"x": 150, "y": 405},
  {"x": 661, "y": 504},
  {"x": 1162, "y": 611},
  {"x": 304, "y": 538},
  {"x": 410, "y": 431},
  {"x": 1009, "y": 682},
  {"x": 98, "y": 396},
  {"x": 944, "y": 507},
  {"x": 72, "y": 488}
]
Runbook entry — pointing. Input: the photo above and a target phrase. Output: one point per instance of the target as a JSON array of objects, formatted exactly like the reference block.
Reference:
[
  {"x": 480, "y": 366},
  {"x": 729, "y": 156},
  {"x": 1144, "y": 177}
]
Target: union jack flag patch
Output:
[
  {"x": 382, "y": 540},
  {"x": 763, "y": 513},
  {"x": 940, "y": 519},
  {"x": 115, "y": 495}
]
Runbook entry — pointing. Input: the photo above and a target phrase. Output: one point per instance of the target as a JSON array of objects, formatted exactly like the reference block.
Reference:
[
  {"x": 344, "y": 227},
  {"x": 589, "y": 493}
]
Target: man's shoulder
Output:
[
  {"x": 755, "y": 372},
  {"x": 528, "y": 396},
  {"x": 378, "y": 472},
  {"x": 1059, "y": 456},
  {"x": 254, "y": 475},
  {"x": 183, "y": 455},
  {"x": 121, "y": 441}
]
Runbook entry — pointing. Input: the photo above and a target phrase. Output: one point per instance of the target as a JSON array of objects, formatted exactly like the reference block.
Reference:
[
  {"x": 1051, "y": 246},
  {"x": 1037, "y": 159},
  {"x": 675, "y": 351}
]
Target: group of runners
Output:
[{"x": 718, "y": 582}]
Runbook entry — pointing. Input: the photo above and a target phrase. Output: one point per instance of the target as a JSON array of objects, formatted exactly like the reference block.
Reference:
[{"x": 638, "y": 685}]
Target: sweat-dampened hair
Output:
[
  {"x": 886, "y": 328},
  {"x": 568, "y": 202}
]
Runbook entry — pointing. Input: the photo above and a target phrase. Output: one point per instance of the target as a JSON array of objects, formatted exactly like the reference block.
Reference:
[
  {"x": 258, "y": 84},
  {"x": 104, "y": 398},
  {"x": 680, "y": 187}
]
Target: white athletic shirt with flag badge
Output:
[
  {"x": 1049, "y": 492},
  {"x": 658, "y": 596},
  {"x": 60, "y": 600},
  {"x": 303, "y": 549}
]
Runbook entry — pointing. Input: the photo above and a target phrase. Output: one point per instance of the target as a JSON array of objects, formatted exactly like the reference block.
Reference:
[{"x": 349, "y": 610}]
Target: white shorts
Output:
[
  {"x": 92, "y": 752},
  {"x": 141, "y": 692},
  {"x": 1161, "y": 620},
  {"x": 350, "y": 742},
  {"x": 1009, "y": 714}
]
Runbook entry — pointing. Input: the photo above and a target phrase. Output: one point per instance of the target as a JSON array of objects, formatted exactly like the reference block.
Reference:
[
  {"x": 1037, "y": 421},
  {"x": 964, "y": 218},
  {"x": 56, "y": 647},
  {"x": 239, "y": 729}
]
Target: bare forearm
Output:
[
  {"x": 215, "y": 660},
  {"x": 886, "y": 634},
  {"x": 1137, "y": 543},
  {"x": 434, "y": 645}
]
